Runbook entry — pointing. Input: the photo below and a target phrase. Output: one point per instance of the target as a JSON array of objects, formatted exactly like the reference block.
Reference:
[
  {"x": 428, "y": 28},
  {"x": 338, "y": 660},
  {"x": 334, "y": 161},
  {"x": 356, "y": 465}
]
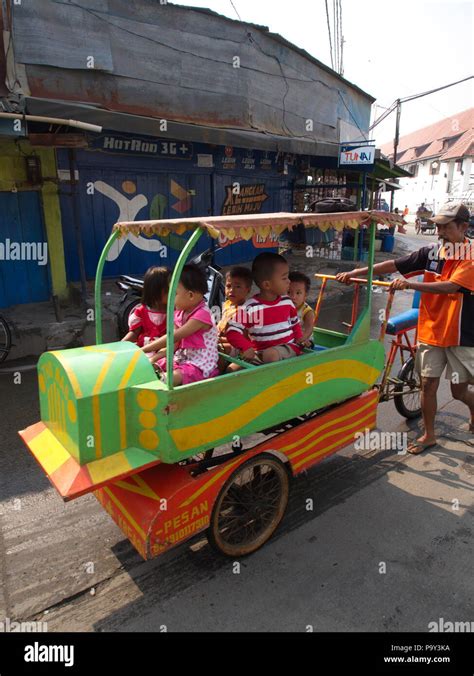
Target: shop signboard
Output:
[{"x": 357, "y": 157}]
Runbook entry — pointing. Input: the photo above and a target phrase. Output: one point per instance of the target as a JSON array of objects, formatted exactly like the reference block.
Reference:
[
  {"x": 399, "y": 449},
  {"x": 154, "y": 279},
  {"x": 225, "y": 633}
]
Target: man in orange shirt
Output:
[{"x": 446, "y": 318}]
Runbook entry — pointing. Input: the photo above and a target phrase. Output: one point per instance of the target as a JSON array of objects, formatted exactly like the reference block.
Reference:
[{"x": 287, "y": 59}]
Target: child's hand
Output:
[
  {"x": 249, "y": 354},
  {"x": 223, "y": 343}
]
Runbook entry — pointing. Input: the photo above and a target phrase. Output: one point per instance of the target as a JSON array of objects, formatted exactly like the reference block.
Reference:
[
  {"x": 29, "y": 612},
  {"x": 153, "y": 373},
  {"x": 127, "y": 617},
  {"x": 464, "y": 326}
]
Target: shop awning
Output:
[
  {"x": 136, "y": 124},
  {"x": 245, "y": 227},
  {"x": 386, "y": 170}
]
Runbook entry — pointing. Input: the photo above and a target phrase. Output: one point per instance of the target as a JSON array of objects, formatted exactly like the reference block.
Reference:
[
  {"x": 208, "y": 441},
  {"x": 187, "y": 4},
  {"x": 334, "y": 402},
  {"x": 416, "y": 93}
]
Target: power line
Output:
[
  {"x": 413, "y": 97},
  {"x": 329, "y": 32},
  {"x": 235, "y": 9},
  {"x": 432, "y": 91},
  {"x": 341, "y": 71}
]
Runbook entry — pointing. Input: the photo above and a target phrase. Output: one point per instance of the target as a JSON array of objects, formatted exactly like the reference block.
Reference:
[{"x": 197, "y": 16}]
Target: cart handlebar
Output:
[{"x": 356, "y": 280}]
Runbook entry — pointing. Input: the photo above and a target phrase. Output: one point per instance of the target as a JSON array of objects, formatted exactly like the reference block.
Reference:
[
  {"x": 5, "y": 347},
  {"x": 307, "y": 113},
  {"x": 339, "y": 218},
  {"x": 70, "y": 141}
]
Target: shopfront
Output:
[{"x": 121, "y": 177}]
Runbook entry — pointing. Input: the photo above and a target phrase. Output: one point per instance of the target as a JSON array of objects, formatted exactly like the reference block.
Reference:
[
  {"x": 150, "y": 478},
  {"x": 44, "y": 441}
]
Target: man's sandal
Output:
[{"x": 419, "y": 446}]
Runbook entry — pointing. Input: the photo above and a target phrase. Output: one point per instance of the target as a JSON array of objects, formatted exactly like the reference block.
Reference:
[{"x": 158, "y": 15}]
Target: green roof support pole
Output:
[
  {"x": 359, "y": 207},
  {"x": 190, "y": 244},
  {"x": 98, "y": 286},
  {"x": 361, "y": 331}
]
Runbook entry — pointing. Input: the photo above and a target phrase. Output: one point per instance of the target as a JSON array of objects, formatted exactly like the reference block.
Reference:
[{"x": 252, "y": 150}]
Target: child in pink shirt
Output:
[
  {"x": 195, "y": 335},
  {"x": 147, "y": 321}
]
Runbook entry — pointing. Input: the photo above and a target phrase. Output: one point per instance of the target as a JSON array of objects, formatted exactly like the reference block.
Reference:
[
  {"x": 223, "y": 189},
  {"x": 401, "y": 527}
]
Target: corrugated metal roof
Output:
[
  {"x": 176, "y": 63},
  {"x": 284, "y": 41}
]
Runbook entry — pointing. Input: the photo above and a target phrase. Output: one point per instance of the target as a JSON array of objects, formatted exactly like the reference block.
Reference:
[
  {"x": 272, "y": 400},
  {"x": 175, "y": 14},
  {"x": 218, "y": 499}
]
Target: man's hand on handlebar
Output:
[
  {"x": 345, "y": 277},
  {"x": 399, "y": 284}
]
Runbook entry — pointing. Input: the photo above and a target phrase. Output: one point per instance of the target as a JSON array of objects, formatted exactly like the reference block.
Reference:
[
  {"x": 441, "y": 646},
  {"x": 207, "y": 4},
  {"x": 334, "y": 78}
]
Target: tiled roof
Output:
[
  {"x": 463, "y": 146},
  {"x": 430, "y": 140}
]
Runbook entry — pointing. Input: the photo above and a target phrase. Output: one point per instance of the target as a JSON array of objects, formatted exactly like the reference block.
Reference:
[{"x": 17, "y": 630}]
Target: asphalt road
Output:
[{"x": 388, "y": 545}]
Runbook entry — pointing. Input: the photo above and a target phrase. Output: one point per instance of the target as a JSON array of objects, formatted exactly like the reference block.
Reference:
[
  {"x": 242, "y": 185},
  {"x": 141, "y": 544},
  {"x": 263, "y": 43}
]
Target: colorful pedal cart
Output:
[{"x": 110, "y": 426}]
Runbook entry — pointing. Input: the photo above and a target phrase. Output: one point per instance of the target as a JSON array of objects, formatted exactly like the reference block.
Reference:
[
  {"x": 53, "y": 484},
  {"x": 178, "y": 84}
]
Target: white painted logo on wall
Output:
[{"x": 129, "y": 207}]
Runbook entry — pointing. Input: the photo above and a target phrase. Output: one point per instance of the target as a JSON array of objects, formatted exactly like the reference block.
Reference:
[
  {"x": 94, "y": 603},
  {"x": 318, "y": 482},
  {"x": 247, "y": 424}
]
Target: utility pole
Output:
[{"x": 395, "y": 145}]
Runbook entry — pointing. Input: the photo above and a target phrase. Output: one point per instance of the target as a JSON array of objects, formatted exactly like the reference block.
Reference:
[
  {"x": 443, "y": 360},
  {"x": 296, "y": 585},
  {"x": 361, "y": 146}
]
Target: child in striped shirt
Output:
[{"x": 269, "y": 318}]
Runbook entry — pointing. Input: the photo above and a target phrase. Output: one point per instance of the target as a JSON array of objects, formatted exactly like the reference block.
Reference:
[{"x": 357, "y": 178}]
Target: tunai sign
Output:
[{"x": 357, "y": 157}]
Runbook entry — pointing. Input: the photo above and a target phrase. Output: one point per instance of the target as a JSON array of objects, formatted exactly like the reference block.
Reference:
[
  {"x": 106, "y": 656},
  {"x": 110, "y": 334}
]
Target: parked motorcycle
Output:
[{"x": 133, "y": 288}]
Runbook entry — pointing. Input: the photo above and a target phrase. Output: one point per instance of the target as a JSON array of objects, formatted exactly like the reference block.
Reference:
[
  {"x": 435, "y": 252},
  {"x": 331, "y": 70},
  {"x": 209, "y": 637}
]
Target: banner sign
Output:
[
  {"x": 358, "y": 157},
  {"x": 248, "y": 200},
  {"x": 144, "y": 146}
]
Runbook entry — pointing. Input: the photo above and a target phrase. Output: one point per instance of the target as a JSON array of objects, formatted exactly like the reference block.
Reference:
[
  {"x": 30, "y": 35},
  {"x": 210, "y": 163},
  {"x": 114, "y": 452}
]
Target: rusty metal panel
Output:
[
  {"x": 58, "y": 140},
  {"x": 61, "y": 34},
  {"x": 173, "y": 62}
]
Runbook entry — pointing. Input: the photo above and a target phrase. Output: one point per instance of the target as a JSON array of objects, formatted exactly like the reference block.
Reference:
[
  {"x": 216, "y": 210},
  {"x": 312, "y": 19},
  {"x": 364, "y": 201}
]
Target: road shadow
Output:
[{"x": 327, "y": 485}]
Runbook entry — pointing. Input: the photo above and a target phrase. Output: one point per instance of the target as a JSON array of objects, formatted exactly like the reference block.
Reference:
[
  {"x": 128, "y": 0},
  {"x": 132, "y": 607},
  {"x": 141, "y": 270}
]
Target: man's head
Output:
[
  {"x": 452, "y": 221},
  {"x": 270, "y": 273}
]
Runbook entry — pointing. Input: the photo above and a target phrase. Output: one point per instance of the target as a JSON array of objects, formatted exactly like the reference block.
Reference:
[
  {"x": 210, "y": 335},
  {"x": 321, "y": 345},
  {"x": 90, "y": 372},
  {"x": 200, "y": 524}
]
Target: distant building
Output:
[{"x": 439, "y": 157}]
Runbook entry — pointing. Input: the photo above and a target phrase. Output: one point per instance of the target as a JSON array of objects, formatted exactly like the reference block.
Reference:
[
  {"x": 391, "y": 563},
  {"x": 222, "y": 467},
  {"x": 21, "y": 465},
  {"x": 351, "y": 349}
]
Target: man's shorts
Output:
[{"x": 431, "y": 361}]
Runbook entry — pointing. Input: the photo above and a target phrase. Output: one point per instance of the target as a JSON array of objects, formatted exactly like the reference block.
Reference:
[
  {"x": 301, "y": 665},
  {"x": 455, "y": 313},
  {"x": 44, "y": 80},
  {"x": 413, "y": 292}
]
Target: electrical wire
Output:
[
  {"x": 329, "y": 33},
  {"x": 341, "y": 70},
  {"x": 235, "y": 9},
  {"x": 413, "y": 97}
]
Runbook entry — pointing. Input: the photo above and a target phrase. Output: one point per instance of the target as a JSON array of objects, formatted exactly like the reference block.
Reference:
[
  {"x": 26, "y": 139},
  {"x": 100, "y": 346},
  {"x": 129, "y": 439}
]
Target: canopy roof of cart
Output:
[{"x": 245, "y": 227}]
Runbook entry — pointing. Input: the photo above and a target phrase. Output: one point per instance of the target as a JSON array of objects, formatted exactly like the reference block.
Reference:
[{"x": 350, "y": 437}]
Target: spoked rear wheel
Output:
[
  {"x": 408, "y": 398},
  {"x": 250, "y": 506},
  {"x": 5, "y": 339}
]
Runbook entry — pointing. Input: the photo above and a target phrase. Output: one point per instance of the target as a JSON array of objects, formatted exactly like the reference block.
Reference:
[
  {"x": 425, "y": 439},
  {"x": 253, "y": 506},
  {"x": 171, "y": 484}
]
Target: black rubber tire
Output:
[
  {"x": 280, "y": 482},
  {"x": 408, "y": 374},
  {"x": 5, "y": 339}
]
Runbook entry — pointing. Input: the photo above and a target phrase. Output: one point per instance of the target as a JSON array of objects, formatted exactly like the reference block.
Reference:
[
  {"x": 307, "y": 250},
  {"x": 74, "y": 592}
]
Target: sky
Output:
[{"x": 391, "y": 49}]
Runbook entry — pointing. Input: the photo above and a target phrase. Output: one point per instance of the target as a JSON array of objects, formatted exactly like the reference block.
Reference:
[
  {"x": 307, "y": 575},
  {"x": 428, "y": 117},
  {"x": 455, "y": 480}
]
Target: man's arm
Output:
[
  {"x": 379, "y": 269},
  {"x": 426, "y": 287}
]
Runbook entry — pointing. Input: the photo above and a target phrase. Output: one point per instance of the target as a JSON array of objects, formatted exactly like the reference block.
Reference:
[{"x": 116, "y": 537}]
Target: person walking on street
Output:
[{"x": 446, "y": 315}]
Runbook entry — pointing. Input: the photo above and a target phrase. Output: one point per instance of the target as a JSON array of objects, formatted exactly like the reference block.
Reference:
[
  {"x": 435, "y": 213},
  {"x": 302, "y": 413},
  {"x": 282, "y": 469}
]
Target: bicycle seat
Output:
[{"x": 402, "y": 322}]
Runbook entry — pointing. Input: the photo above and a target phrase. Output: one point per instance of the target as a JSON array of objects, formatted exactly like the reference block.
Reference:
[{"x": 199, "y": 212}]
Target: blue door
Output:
[{"x": 24, "y": 274}]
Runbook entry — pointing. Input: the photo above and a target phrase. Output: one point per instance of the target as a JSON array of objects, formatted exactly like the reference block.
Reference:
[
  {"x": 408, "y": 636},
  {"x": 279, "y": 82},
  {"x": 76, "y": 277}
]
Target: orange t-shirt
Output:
[{"x": 445, "y": 320}]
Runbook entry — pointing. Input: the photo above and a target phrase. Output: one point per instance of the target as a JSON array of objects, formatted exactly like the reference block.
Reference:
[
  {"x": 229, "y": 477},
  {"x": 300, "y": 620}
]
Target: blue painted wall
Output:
[
  {"x": 173, "y": 182},
  {"x": 21, "y": 281}
]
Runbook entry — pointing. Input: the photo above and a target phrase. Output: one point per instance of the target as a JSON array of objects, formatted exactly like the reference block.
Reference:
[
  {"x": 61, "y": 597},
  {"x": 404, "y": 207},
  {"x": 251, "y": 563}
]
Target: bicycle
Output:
[
  {"x": 405, "y": 388},
  {"x": 5, "y": 339}
]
